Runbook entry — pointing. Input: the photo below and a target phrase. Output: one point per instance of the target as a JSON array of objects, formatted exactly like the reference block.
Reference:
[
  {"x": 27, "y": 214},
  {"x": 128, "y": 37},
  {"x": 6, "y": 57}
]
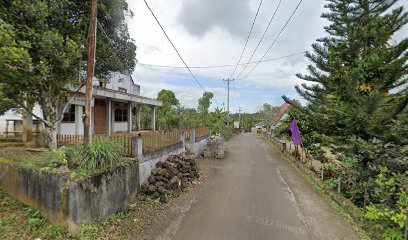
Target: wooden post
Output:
[
  {"x": 90, "y": 71},
  {"x": 339, "y": 185},
  {"x": 322, "y": 170}
]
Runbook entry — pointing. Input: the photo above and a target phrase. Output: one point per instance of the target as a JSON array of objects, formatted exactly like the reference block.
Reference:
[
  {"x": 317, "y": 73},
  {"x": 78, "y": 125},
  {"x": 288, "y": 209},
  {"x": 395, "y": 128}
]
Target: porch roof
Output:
[{"x": 109, "y": 93}]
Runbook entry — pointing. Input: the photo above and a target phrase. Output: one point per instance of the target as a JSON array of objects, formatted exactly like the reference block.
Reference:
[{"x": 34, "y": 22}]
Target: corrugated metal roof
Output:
[{"x": 280, "y": 113}]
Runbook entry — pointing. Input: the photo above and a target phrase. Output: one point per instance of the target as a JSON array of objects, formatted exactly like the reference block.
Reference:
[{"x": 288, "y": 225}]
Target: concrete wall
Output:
[
  {"x": 148, "y": 161},
  {"x": 98, "y": 197},
  {"x": 197, "y": 148},
  {"x": 13, "y": 115},
  {"x": 66, "y": 129},
  {"x": 70, "y": 203},
  {"x": 118, "y": 80},
  {"x": 36, "y": 189},
  {"x": 120, "y": 126}
]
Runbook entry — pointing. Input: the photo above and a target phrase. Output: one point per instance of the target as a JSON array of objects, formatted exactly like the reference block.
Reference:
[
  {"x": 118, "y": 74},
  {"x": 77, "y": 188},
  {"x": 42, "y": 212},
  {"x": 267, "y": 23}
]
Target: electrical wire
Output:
[
  {"x": 274, "y": 41},
  {"x": 260, "y": 41},
  {"x": 168, "y": 38},
  {"x": 249, "y": 35},
  {"x": 221, "y": 66},
  {"x": 181, "y": 58}
]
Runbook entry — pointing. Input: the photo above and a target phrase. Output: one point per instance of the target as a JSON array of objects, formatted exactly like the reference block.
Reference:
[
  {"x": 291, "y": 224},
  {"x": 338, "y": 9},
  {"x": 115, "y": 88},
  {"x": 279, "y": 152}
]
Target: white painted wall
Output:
[
  {"x": 118, "y": 80},
  {"x": 120, "y": 127},
  {"x": 13, "y": 115},
  {"x": 66, "y": 129}
]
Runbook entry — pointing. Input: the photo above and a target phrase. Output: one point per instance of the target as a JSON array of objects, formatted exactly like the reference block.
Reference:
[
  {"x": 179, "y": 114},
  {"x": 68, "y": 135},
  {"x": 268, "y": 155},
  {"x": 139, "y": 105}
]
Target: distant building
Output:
[
  {"x": 280, "y": 115},
  {"x": 111, "y": 112}
]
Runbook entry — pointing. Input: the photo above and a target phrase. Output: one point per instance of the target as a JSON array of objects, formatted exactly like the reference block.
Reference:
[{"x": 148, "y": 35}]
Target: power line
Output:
[
  {"x": 246, "y": 43},
  {"x": 274, "y": 41},
  {"x": 181, "y": 58},
  {"x": 168, "y": 38},
  {"x": 259, "y": 43},
  {"x": 221, "y": 66}
]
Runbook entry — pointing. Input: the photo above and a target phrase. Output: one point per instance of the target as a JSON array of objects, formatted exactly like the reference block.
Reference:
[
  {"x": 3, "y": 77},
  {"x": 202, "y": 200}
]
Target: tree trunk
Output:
[
  {"x": 51, "y": 137},
  {"x": 50, "y": 113}
]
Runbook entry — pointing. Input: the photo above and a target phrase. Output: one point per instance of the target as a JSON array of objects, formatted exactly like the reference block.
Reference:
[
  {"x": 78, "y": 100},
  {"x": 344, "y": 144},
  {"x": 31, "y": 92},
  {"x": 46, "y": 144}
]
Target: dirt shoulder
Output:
[{"x": 164, "y": 219}]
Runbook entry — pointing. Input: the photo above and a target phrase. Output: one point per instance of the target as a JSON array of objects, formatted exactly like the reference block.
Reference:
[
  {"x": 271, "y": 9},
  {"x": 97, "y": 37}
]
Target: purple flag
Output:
[{"x": 297, "y": 140}]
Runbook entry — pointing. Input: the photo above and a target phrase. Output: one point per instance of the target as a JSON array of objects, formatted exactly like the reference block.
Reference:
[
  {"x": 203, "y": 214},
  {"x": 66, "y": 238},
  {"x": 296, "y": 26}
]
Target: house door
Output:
[{"x": 100, "y": 117}]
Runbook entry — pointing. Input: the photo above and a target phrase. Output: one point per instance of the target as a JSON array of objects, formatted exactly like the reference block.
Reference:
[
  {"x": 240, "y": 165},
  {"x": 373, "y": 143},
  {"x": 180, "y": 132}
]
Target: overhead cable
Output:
[
  {"x": 260, "y": 41},
  {"x": 274, "y": 41},
  {"x": 181, "y": 58},
  {"x": 221, "y": 66},
  {"x": 246, "y": 42}
]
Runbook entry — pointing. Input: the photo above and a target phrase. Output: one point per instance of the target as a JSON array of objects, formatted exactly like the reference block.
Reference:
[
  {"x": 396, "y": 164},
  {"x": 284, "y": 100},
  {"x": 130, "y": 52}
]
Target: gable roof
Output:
[{"x": 278, "y": 116}]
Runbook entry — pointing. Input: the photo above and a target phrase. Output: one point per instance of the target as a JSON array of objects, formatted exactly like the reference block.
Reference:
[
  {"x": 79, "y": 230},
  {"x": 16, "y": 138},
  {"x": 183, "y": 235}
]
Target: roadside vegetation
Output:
[
  {"x": 80, "y": 162},
  {"x": 357, "y": 111},
  {"x": 18, "y": 221},
  {"x": 173, "y": 115}
]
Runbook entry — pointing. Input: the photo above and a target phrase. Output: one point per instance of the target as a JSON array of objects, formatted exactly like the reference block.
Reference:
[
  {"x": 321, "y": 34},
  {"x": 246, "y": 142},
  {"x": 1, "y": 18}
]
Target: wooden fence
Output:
[
  {"x": 157, "y": 140},
  {"x": 203, "y": 131},
  {"x": 73, "y": 140},
  {"x": 152, "y": 141}
]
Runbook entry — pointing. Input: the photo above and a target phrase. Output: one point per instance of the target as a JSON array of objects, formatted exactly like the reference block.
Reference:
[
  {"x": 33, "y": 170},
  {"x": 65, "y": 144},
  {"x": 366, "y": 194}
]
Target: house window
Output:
[
  {"x": 121, "y": 113},
  {"x": 123, "y": 90},
  {"x": 69, "y": 114},
  {"x": 102, "y": 84}
]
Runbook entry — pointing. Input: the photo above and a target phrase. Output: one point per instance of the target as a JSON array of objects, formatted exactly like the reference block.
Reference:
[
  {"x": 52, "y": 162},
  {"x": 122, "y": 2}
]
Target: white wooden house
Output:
[{"x": 112, "y": 105}]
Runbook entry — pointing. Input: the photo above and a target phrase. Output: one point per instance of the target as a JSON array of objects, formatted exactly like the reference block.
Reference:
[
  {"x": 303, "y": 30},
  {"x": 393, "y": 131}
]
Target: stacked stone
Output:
[
  {"x": 214, "y": 147},
  {"x": 175, "y": 175}
]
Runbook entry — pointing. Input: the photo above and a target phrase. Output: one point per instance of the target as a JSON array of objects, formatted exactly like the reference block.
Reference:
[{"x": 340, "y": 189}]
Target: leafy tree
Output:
[
  {"x": 15, "y": 62},
  {"x": 266, "y": 114},
  {"x": 204, "y": 103},
  {"x": 47, "y": 37},
  {"x": 167, "y": 115}
]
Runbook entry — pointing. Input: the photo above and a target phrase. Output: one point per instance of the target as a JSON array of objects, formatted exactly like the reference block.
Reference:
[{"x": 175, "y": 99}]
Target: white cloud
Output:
[{"x": 213, "y": 32}]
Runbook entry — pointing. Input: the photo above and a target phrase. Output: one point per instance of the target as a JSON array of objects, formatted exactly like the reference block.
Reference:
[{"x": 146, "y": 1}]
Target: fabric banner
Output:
[{"x": 297, "y": 140}]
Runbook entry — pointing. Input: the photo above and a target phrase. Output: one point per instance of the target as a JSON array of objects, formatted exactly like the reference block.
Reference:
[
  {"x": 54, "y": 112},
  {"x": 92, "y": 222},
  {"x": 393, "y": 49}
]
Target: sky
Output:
[{"x": 214, "y": 32}]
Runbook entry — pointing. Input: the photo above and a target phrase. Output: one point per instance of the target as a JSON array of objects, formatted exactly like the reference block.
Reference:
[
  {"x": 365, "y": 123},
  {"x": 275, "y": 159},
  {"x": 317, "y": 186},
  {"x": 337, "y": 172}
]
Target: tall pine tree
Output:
[{"x": 358, "y": 72}]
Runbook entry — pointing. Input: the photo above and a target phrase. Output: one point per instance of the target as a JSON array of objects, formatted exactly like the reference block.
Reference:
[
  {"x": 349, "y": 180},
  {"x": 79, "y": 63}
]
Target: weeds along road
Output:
[{"x": 256, "y": 194}]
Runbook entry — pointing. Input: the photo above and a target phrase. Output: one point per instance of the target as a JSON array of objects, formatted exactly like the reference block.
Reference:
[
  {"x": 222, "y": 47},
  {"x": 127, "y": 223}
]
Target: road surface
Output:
[{"x": 257, "y": 195}]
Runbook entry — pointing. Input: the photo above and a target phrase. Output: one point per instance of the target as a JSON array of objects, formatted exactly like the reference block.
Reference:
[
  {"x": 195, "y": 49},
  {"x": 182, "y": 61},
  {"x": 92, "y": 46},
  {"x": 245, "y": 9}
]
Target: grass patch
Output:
[
  {"x": 81, "y": 162},
  {"x": 17, "y": 221}
]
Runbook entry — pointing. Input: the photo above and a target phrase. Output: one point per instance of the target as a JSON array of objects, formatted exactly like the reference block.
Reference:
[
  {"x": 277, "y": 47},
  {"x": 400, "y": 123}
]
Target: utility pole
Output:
[
  {"x": 228, "y": 84},
  {"x": 90, "y": 72},
  {"x": 239, "y": 111}
]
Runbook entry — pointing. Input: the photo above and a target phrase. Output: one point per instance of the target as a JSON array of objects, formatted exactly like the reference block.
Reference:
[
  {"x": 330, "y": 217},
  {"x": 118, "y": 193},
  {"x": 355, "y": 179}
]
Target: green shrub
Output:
[
  {"x": 54, "y": 159},
  {"x": 227, "y": 132},
  {"x": 70, "y": 155},
  {"x": 100, "y": 155},
  {"x": 388, "y": 209},
  {"x": 331, "y": 183}
]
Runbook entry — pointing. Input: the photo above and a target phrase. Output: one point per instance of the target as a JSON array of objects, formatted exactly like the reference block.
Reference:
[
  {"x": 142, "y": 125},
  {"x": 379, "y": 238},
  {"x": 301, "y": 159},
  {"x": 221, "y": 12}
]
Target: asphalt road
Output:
[{"x": 258, "y": 195}]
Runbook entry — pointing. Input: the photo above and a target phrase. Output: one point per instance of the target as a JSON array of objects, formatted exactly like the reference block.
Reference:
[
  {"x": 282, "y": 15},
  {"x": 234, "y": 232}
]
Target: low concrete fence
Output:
[
  {"x": 70, "y": 203},
  {"x": 148, "y": 160}
]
